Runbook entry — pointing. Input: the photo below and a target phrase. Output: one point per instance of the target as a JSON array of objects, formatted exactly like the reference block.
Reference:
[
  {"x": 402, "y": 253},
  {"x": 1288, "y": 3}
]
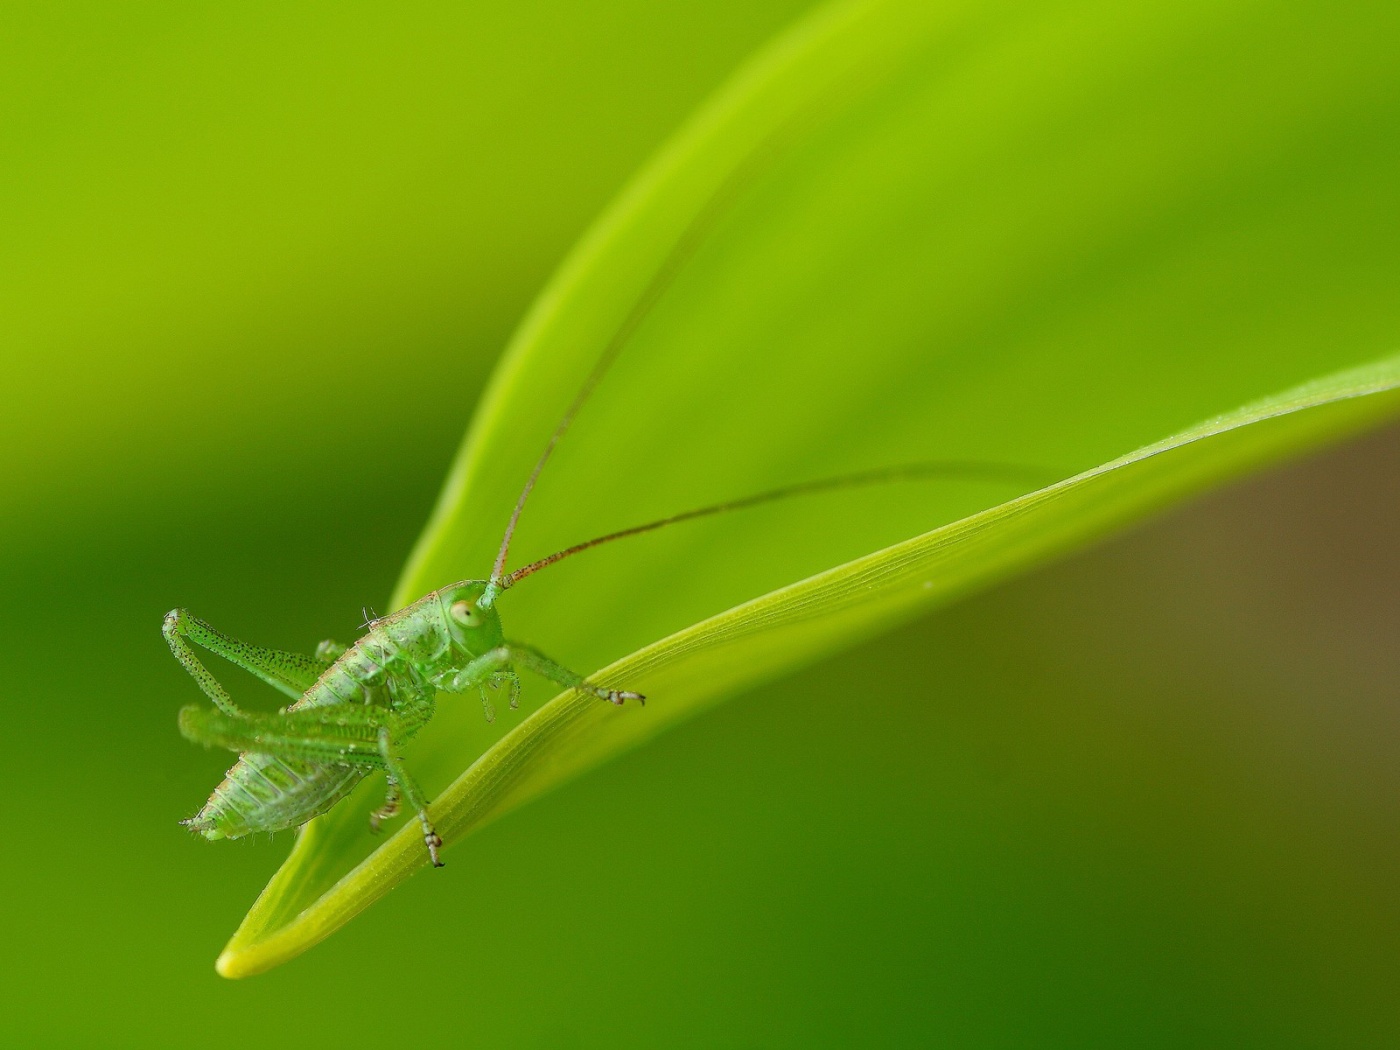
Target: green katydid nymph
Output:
[{"x": 357, "y": 706}]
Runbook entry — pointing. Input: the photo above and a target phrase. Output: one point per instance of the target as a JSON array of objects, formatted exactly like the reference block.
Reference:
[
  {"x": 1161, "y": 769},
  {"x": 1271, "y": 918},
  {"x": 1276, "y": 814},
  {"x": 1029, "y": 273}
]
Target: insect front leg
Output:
[
  {"x": 485, "y": 671},
  {"x": 494, "y": 682},
  {"x": 509, "y": 679},
  {"x": 534, "y": 660},
  {"x": 500, "y": 659},
  {"x": 390, "y": 753},
  {"x": 290, "y": 673}
]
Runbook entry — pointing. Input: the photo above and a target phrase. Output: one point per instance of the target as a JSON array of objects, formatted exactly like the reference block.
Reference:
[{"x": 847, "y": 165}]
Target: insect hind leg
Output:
[{"x": 289, "y": 673}]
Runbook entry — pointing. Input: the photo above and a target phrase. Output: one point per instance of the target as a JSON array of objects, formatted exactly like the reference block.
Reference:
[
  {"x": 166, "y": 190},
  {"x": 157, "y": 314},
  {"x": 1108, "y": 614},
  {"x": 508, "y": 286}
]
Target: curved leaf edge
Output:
[{"x": 847, "y": 603}]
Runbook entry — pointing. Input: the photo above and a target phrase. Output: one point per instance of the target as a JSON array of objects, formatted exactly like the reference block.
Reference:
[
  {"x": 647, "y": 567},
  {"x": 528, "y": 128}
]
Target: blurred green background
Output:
[{"x": 256, "y": 266}]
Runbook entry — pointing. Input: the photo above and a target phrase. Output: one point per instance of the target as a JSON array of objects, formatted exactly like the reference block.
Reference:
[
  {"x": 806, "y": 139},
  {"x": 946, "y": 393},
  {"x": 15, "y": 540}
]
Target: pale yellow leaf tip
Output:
[{"x": 227, "y": 966}]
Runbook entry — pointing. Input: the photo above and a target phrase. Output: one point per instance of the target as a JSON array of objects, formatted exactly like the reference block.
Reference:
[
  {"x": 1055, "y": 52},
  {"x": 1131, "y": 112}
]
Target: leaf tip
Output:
[
  {"x": 235, "y": 964},
  {"x": 226, "y": 965}
]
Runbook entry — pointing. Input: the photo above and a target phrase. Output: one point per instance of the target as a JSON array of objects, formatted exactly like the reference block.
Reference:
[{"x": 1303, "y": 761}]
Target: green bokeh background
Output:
[{"x": 256, "y": 266}]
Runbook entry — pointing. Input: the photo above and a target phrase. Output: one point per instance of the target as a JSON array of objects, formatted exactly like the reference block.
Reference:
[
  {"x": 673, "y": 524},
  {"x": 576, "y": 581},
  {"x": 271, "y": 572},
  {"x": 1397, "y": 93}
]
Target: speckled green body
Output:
[
  {"x": 265, "y": 793},
  {"x": 397, "y": 668},
  {"x": 355, "y": 708}
]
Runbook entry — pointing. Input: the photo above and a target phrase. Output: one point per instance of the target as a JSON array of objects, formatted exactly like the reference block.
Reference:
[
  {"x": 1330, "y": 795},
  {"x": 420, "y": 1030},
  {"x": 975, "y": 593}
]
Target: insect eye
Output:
[{"x": 466, "y": 614}]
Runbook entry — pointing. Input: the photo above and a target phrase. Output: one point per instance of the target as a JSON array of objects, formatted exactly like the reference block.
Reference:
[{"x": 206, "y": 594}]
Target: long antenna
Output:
[
  {"x": 881, "y": 475},
  {"x": 661, "y": 280},
  {"x": 560, "y": 429}
]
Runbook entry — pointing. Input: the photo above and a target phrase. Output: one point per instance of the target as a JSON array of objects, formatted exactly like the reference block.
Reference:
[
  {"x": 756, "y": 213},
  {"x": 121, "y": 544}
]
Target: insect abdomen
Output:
[{"x": 263, "y": 793}]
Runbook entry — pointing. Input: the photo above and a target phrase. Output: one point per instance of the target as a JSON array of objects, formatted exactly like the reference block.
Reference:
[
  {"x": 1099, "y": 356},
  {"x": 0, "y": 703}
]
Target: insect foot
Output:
[
  {"x": 433, "y": 841},
  {"x": 617, "y": 696},
  {"x": 388, "y": 811}
]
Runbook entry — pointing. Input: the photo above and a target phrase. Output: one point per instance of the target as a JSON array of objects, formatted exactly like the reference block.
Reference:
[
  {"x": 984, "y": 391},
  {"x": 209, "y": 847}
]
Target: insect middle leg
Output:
[
  {"x": 390, "y": 752},
  {"x": 335, "y": 736},
  {"x": 390, "y": 809}
]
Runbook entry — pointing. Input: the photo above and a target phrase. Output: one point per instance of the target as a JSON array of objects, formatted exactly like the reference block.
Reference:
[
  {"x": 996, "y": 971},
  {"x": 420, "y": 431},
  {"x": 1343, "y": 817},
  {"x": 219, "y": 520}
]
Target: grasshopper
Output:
[{"x": 357, "y": 706}]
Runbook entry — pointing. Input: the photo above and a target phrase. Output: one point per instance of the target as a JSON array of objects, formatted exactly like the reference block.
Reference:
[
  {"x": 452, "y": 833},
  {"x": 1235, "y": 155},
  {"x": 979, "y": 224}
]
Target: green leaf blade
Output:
[{"x": 913, "y": 243}]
